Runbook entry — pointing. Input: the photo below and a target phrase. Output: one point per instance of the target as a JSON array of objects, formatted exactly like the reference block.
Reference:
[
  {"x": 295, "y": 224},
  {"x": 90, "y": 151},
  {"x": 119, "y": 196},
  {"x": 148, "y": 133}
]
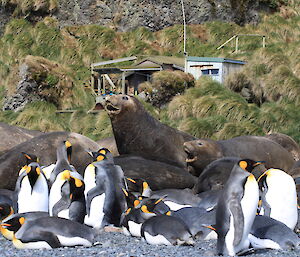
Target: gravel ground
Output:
[{"x": 118, "y": 245}]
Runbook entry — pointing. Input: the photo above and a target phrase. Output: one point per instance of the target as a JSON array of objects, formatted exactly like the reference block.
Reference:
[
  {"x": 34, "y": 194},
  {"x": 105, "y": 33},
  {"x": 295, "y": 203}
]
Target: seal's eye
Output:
[
  {"x": 200, "y": 143},
  {"x": 125, "y": 98}
]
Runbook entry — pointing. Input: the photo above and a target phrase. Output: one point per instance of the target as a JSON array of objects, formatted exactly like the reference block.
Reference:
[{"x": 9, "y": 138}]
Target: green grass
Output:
[{"x": 210, "y": 109}]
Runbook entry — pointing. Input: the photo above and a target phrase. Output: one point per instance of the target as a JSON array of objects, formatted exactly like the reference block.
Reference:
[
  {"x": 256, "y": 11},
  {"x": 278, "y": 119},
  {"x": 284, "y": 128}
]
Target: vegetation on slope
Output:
[{"x": 263, "y": 97}]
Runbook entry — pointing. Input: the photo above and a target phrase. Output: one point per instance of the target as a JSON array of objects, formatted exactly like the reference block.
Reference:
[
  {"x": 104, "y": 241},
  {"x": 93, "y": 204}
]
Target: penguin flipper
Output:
[
  {"x": 17, "y": 190},
  {"x": 95, "y": 191},
  {"x": 45, "y": 236},
  {"x": 236, "y": 211}
]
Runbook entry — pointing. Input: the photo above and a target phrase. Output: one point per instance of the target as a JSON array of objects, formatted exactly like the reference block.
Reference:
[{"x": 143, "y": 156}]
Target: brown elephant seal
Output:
[
  {"x": 286, "y": 142},
  {"x": 138, "y": 133},
  {"x": 109, "y": 143},
  {"x": 201, "y": 152},
  {"x": 215, "y": 174},
  {"x": 159, "y": 175},
  {"x": 13, "y": 135},
  {"x": 44, "y": 147}
]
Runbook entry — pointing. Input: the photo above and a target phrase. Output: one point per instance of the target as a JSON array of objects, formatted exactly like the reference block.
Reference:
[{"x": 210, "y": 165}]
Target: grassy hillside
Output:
[{"x": 271, "y": 77}]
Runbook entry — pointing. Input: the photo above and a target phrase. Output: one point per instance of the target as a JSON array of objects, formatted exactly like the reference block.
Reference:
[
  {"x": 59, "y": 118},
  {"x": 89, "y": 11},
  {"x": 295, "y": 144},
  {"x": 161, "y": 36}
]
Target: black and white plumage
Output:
[
  {"x": 31, "y": 191},
  {"x": 105, "y": 200}
]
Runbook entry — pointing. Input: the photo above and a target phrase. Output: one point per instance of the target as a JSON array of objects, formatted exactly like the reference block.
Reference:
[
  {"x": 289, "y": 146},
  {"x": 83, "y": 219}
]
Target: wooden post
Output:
[
  {"x": 92, "y": 78},
  {"x": 99, "y": 85},
  {"x": 264, "y": 42},
  {"x": 123, "y": 82},
  {"x": 236, "y": 44}
]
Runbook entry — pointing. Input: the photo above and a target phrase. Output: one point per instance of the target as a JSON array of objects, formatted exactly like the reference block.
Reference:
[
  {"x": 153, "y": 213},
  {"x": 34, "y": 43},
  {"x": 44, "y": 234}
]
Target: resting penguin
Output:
[
  {"x": 66, "y": 198},
  {"x": 198, "y": 220},
  {"x": 28, "y": 215},
  {"x": 31, "y": 191},
  {"x": 272, "y": 234},
  {"x": 48, "y": 233},
  {"x": 166, "y": 230},
  {"x": 236, "y": 209},
  {"x": 105, "y": 201},
  {"x": 279, "y": 197},
  {"x": 135, "y": 216}
]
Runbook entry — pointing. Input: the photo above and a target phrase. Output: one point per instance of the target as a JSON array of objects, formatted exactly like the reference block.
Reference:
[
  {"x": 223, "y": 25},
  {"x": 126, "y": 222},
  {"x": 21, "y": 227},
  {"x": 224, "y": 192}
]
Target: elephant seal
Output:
[
  {"x": 13, "y": 135},
  {"x": 159, "y": 175},
  {"x": 44, "y": 147},
  {"x": 215, "y": 174},
  {"x": 201, "y": 152},
  {"x": 138, "y": 133},
  {"x": 286, "y": 142},
  {"x": 110, "y": 144}
]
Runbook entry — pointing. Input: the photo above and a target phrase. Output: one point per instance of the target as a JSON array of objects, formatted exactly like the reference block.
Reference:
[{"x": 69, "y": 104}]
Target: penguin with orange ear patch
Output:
[
  {"x": 105, "y": 200},
  {"x": 236, "y": 209},
  {"x": 48, "y": 232},
  {"x": 29, "y": 159},
  {"x": 31, "y": 191},
  {"x": 66, "y": 197}
]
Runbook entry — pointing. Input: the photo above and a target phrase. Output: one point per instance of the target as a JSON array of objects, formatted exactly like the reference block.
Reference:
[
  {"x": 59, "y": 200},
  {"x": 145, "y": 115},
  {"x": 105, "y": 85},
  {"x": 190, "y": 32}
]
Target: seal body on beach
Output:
[
  {"x": 201, "y": 152},
  {"x": 13, "y": 135},
  {"x": 44, "y": 147},
  {"x": 159, "y": 175},
  {"x": 138, "y": 133}
]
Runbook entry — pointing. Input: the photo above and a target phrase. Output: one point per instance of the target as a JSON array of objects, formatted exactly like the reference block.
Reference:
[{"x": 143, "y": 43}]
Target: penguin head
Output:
[
  {"x": 5, "y": 210},
  {"x": 151, "y": 207},
  {"x": 13, "y": 224},
  {"x": 97, "y": 157},
  {"x": 68, "y": 146},
  {"x": 131, "y": 200},
  {"x": 30, "y": 158},
  {"x": 248, "y": 164},
  {"x": 103, "y": 150},
  {"x": 33, "y": 171},
  {"x": 76, "y": 188},
  {"x": 139, "y": 185}
]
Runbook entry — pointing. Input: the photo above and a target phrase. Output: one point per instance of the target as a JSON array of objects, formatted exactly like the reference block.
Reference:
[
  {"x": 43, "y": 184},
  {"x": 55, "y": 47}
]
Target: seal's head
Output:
[
  {"x": 201, "y": 152},
  {"x": 118, "y": 104}
]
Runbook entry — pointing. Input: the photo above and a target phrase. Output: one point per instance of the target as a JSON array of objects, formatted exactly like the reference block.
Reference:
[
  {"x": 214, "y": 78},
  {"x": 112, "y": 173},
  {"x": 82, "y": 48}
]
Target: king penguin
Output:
[
  {"x": 236, "y": 209},
  {"x": 279, "y": 197},
  {"x": 66, "y": 198},
  {"x": 272, "y": 234},
  {"x": 166, "y": 230},
  {"x": 48, "y": 233},
  {"x": 63, "y": 159},
  {"x": 105, "y": 201},
  {"x": 31, "y": 191},
  {"x": 29, "y": 159}
]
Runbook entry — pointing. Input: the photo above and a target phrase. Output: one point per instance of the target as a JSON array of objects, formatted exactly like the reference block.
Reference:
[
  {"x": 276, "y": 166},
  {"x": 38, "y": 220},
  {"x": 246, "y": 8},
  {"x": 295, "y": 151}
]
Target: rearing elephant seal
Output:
[
  {"x": 201, "y": 152},
  {"x": 138, "y": 133}
]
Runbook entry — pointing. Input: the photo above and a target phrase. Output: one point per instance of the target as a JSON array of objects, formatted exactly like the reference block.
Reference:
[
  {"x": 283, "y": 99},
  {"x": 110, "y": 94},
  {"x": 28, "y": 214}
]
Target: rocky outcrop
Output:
[
  {"x": 26, "y": 92},
  {"x": 152, "y": 14}
]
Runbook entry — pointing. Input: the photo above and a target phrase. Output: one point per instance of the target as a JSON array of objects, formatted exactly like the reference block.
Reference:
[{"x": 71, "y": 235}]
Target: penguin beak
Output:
[{"x": 5, "y": 225}]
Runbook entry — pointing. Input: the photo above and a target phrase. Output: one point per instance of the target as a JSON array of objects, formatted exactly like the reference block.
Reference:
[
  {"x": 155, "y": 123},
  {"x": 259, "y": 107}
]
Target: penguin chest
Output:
[
  {"x": 134, "y": 228},
  {"x": 64, "y": 214},
  {"x": 73, "y": 241},
  {"x": 89, "y": 178},
  {"x": 282, "y": 199},
  {"x": 249, "y": 204},
  {"x": 33, "y": 199},
  {"x": 156, "y": 239},
  {"x": 96, "y": 214},
  {"x": 175, "y": 206},
  {"x": 31, "y": 245},
  {"x": 55, "y": 195}
]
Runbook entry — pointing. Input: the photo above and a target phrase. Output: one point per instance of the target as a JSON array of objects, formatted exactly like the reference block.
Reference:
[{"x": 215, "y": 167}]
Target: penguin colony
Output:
[{"x": 55, "y": 206}]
